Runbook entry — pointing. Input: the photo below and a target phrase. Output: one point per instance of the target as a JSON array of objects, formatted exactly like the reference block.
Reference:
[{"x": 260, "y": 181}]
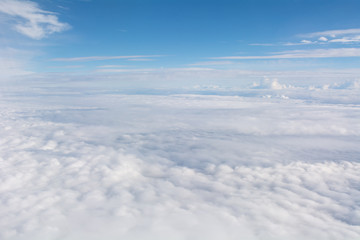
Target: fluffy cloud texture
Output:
[
  {"x": 115, "y": 166},
  {"x": 31, "y": 20}
]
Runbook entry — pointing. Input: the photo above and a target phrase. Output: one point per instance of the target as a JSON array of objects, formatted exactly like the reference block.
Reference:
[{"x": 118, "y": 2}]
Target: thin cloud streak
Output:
[
  {"x": 332, "y": 33},
  {"x": 211, "y": 63},
  {"x": 141, "y": 70},
  {"x": 101, "y": 58},
  {"x": 316, "y": 53},
  {"x": 113, "y": 66}
]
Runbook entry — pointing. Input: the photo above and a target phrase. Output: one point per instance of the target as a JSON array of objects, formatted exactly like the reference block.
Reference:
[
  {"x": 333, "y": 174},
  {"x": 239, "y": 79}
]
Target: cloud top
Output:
[{"x": 177, "y": 167}]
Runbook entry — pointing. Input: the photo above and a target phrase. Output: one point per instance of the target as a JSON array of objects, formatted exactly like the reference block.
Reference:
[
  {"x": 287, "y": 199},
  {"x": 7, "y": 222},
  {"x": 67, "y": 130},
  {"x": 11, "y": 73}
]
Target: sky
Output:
[
  {"x": 179, "y": 120},
  {"x": 121, "y": 36}
]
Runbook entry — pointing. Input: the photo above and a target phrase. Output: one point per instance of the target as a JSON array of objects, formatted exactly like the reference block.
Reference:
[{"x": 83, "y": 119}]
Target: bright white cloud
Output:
[
  {"x": 30, "y": 20},
  {"x": 91, "y": 166},
  {"x": 314, "y": 53},
  {"x": 268, "y": 83},
  {"x": 306, "y": 41}
]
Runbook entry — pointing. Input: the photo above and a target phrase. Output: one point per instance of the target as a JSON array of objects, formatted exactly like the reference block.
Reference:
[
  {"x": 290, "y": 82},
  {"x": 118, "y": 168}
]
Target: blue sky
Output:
[{"x": 116, "y": 36}]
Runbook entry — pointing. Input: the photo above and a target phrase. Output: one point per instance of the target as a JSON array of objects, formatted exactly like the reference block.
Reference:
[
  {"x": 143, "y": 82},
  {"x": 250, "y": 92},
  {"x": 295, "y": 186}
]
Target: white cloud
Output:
[
  {"x": 101, "y": 58},
  {"x": 332, "y": 36},
  {"x": 91, "y": 166},
  {"x": 212, "y": 63},
  {"x": 314, "y": 53},
  {"x": 268, "y": 83},
  {"x": 346, "y": 40},
  {"x": 306, "y": 41},
  {"x": 333, "y": 33},
  {"x": 30, "y": 20},
  {"x": 155, "y": 70},
  {"x": 302, "y": 42},
  {"x": 262, "y": 44},
  {"x": 140, "y": 59},
  {"x": 113, "y": 66}
]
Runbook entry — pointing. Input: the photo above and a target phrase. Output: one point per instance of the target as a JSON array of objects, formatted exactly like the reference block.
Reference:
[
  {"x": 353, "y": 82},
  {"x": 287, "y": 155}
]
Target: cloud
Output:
[
  {"x": 336, "y": 36},
  {"x": 333, "y": 33},
  {"x": 268, "y": 83},
  {"x": 262, "y": 44},
  {"x": 331, "y": 36},
  {"x": 30, "y": 20},
  {"x": 302, "y": 42},
  {"x": 140, "y": 59},
  {"x": 346, "y": 40},
  {"x": 315, "y": 53},
  {"x": 105, "y": 165},
  {"x": 212, "y": 63},
  {"x": 154, "y": 70},
  {"x": 101, "y": 58},
  {"x": 13, "y": 62},
  {"x": 113, "y": 66}
]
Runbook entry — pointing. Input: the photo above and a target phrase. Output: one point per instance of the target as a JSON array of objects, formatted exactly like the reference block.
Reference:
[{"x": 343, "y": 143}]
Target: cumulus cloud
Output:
[
  {"x": 76, "y": 166},
  {"x": 323, "y": 39},
  {"x": 268, "y": 83},
  {"x": 31, "y": 20}
]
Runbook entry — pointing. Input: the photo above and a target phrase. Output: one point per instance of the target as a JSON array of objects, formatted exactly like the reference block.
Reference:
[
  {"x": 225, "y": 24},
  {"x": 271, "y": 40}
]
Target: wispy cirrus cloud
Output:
[
  {"x": 302, "y": 42},
  {"x": 342, "y": 36},
  {"x": 30, "y": 20},
  {"x": 211, "y": 63},
  {"x": 113, "y": 66},
  {"x": 154, "y": 70},
  {"x": 332, "y": 33},
  {"x": 101, "y": 58},
  {"x": 315, "y": 53}
]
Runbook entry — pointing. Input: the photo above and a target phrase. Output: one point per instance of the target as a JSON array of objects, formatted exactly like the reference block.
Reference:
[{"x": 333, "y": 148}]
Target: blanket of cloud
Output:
[{"x": 269, "y": 162}]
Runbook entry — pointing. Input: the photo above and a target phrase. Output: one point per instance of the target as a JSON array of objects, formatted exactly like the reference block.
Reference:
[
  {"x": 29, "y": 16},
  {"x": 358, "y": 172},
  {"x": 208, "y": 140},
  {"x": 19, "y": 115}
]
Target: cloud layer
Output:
[{"x": 112, "y": 166}]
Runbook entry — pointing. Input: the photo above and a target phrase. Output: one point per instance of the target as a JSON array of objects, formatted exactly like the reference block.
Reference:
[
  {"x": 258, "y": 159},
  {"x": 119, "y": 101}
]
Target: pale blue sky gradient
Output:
[{"x": 117, "y": 36}]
